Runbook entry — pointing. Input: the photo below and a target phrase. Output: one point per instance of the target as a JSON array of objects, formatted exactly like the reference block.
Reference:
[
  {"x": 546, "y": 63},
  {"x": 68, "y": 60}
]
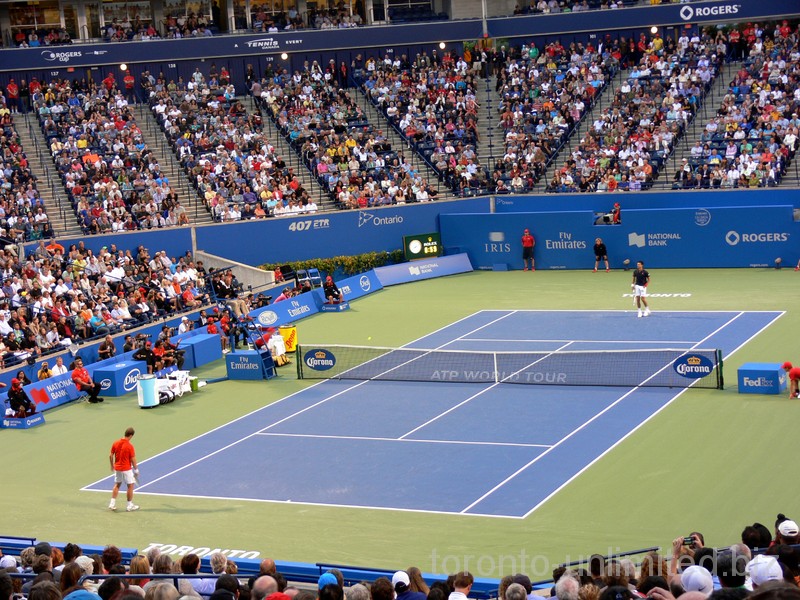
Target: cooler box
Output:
[
  {"x": 201, "y": 349},
  {"x": 120, "y": 378},
  {"x": 146, "y": 391},
  {"x": 289, "y": 334},
  {"x": 762, "y": 378}
]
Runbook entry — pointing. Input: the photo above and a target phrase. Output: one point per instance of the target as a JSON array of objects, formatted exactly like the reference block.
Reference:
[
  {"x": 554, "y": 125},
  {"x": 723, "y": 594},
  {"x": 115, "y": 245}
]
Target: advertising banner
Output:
[
  {"x": 423, "y": 269},
  {"x": 678, "y": 238}
]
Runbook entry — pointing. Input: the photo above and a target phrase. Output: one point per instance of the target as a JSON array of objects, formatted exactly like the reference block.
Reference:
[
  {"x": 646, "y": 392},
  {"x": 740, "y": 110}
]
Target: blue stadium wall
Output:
[{"x": 667, "y": 230}]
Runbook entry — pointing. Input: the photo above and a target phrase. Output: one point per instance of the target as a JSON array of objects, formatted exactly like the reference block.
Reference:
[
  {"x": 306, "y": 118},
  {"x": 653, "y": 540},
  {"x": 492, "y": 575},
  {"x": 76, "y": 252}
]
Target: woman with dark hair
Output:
[{"x": 70, "y": 575}]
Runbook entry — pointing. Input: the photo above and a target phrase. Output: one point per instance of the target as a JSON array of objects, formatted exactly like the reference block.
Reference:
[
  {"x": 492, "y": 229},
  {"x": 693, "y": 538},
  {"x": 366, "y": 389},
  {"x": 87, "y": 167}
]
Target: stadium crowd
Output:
[
  {"x": 57, "y": 296},
  {"x": 351, "y": 159},
  {"x": 545, "y": 93},
  {"x": 225, "y": 152},
  {"x": 111, "y": 177},
  {"x": 630, "y": 140},
  {"x": 23, "y": 215},
  {"x": 764, "y": 566},
  {"x": 432, "y": 103},
  {"x": 754, "y": 133}
]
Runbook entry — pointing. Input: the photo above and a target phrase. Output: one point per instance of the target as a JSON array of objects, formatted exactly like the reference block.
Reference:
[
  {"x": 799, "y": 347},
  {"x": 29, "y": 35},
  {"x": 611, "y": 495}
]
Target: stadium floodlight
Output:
[{"x": 778, "y": 262}]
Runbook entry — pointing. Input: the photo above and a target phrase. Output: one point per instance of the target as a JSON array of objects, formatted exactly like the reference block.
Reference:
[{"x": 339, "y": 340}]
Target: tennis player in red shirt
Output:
[
  {"x": 126, "y": 470},
  {"x": 528, "y": 242},
  {"x": 794, "y": 378}
]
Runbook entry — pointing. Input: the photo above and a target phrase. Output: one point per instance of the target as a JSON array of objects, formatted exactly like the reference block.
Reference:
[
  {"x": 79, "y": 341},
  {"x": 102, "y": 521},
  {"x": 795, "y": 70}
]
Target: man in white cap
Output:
[
  {"x": 697, "y": 579},
  {"x": 185, "y": 325},
  {"x": 401, "y": 583}
]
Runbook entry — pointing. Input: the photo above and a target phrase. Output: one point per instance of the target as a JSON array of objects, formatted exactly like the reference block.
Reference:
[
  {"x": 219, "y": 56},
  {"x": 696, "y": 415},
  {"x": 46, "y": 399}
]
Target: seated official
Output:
[
  {"x": 84, "y": 383},
  {"x": 331, "y": 291},
  {"x": 19, "y": 403}
]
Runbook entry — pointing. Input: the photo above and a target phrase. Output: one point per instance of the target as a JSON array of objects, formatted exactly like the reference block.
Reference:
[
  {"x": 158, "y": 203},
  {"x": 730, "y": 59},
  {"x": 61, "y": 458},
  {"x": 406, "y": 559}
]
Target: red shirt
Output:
[
  {"x": 80, "y": 374},
  {"x": 528, "y": 241},
  {"x": 794, "y": 373},
  {"x": 123, "y": 453}
]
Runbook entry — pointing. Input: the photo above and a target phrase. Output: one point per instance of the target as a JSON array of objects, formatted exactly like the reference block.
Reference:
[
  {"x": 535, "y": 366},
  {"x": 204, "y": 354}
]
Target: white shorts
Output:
[
  {"x": 640, "y": 291},
  {"x": 125, "y": 477}
]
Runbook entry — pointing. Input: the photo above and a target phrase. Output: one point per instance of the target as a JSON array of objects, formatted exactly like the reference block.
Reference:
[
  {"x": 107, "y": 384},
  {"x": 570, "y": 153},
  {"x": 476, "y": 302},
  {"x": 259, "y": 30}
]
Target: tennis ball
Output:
[{"x": 369, "y": 338}]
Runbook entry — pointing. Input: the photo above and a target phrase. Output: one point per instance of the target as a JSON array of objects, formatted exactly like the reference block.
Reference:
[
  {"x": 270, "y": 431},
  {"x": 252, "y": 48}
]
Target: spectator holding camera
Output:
[
  {"x": 186, "y": 325},
  {"x": 44, "y": 372},
  {"x": 107, "y": 348}
]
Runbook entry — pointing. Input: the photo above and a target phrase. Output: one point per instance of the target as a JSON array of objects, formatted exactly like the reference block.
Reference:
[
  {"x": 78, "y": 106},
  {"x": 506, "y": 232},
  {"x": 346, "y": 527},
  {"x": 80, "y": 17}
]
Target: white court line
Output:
[
  {"x": 618, "y": 310},
  {"x": 315, "y": 504},
  {"x": 460, "y": 404},
  {"x": 339, "y": 393},
  {"x": 391, "y": 439},
  {"x": 726, "y": 357},
  {"x": 580, "y": 427},
  {"x": 507, "y": 341}
]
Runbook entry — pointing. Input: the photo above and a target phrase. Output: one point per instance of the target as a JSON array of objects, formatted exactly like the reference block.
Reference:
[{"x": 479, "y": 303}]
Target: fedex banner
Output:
[
  {"x": 286, "y": 311},
  {"x": 355, "y": 287},
  {"x": 678, "y": 238},
  {"x": 423, "y": 269}
]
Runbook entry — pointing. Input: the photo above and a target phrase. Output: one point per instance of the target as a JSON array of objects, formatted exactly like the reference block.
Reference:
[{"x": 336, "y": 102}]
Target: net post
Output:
[
  {"x": 496, "y": 370},
  {"x": 720, "y": 376},
  {"x": 298, "y": 359}
]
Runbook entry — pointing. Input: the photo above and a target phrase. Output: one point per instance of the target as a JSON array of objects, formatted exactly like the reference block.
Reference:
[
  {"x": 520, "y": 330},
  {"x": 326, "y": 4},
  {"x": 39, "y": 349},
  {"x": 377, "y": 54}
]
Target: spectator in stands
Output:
[{"x": 44, "y": 372}]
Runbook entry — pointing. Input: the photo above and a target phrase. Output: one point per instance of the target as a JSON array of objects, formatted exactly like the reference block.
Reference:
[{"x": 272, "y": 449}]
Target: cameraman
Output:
[
  {"x": 130, "y": 344},
  {"x": 177, "y": 357},
  {"x": 145, "y": 353}
]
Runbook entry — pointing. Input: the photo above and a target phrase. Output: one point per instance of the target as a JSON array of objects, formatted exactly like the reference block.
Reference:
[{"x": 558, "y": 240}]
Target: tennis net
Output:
[{"x": 663, "y": 367}]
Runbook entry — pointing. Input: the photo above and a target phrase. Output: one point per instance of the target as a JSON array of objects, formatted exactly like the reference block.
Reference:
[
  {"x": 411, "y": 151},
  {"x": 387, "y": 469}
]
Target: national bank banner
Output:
[
  {"x": 52, "y": 392},
  {"x": 679, "y": 238},
  {"x": 423, "y": 269}
]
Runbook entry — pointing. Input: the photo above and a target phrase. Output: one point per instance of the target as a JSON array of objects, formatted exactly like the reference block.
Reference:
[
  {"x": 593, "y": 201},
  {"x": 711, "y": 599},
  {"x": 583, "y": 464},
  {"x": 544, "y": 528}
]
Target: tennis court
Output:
[{"x": 491, "y": 449}]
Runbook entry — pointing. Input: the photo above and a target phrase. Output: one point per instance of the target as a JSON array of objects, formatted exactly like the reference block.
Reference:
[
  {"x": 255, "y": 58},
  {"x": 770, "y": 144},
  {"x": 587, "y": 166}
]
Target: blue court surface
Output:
[{"x": 500, "y": 450}]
